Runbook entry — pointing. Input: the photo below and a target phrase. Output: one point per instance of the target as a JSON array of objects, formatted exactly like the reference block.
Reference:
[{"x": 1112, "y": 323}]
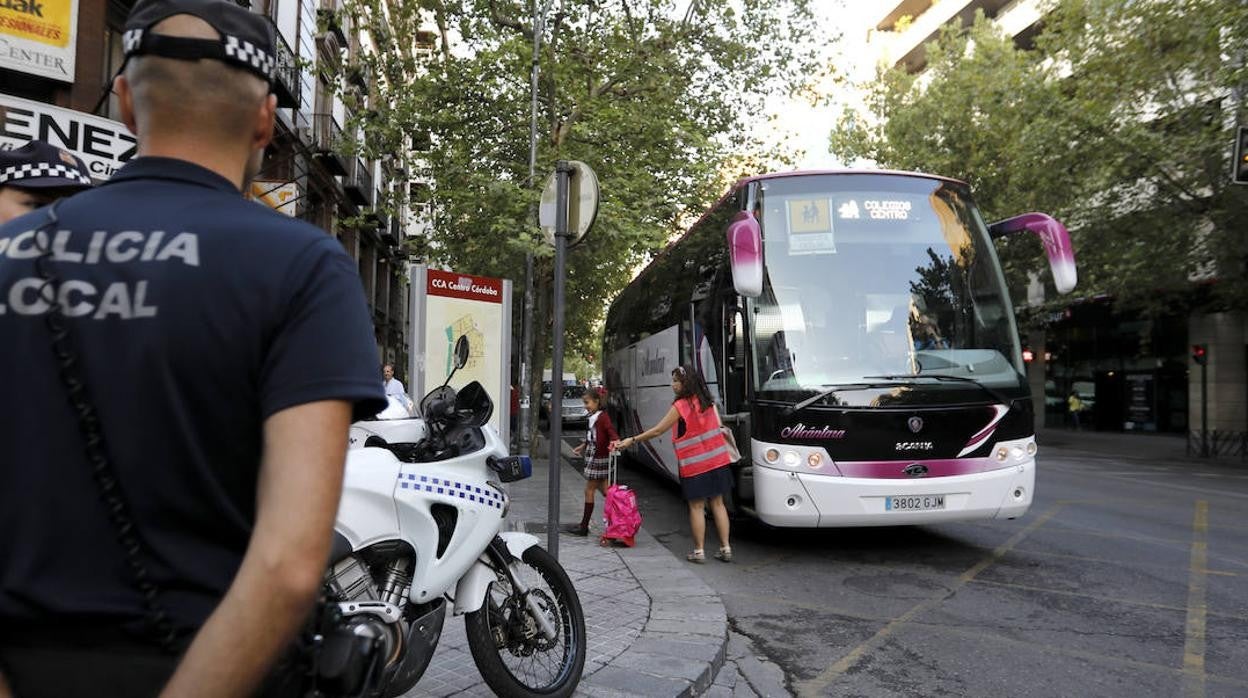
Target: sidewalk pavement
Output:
[{"x": 654, "y": 628}]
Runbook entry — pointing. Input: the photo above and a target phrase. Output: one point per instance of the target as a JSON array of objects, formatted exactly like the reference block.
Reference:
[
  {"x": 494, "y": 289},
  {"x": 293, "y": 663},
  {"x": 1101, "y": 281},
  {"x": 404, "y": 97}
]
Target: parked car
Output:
[{"x": 573, "y": 407}]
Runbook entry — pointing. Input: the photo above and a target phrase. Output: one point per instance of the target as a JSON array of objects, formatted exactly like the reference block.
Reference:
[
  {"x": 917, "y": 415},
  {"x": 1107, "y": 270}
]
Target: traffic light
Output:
[
  {"x": 1200, "y": 354},
  {"x": 1239, "y": 168}
]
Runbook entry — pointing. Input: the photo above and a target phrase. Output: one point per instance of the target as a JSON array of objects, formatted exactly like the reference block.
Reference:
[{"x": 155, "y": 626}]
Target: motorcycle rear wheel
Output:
[{"x": 516, "y": 661}]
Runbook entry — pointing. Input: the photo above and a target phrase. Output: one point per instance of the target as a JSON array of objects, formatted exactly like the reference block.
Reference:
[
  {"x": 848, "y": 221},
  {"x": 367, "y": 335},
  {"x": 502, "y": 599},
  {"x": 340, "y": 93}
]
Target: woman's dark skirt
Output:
[{"x": 712, "y": 483}]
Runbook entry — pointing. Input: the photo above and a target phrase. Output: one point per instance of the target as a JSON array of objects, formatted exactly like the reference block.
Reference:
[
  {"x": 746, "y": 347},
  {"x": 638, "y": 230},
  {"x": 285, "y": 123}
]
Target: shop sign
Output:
[
  {"x": 103, "y": 144},
  {"x": 279, "y": 196},
  {"x": 38, "y": 37}
]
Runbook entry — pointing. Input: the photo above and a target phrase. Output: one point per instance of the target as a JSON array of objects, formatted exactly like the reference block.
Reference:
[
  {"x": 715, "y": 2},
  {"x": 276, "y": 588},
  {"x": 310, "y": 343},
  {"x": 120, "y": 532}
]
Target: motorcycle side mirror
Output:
[
  {"x": 461, "y": 351},
  {"x": 461, "y": 357}
]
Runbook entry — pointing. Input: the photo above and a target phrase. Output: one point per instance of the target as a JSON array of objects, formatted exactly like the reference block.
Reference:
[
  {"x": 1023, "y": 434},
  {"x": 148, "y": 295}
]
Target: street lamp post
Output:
[
  {"x": 526, "y": 352},
  {"x": 563, "y": 171}
]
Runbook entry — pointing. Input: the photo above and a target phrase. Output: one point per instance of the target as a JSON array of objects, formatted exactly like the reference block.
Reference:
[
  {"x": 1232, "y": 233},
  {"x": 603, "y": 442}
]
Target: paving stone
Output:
[
  {"x": 705, "y": 649},
  {"x": 697, "y": 611},
  {"x": 695, "y": 627},
  {"x": 691, "y": 670},
  {"x": 637, "y": 683},
  {"x": 764, "y": 677},
  {"x": 727, "y": 676}
]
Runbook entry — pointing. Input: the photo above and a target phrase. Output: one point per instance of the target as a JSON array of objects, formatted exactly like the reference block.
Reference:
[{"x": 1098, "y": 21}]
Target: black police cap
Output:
[
  {"x": 39, "y": 165},
  {"x": 247, "y": 39}
]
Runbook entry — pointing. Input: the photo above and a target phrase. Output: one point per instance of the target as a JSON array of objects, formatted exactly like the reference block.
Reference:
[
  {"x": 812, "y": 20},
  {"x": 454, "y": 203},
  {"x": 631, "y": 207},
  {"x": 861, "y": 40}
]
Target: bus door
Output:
[
  {"x": 735, "y": 383},
  {"x": 628, "y": 378}
]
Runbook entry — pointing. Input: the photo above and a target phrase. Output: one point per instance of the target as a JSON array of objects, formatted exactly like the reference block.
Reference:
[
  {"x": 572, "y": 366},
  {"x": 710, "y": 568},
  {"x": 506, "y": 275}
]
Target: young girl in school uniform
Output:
[{"x": 596, "y": 447}]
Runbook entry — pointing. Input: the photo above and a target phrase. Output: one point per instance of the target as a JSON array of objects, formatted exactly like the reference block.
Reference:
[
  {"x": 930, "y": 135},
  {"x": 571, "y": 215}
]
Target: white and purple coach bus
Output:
[{"x": 856, "y": 330}]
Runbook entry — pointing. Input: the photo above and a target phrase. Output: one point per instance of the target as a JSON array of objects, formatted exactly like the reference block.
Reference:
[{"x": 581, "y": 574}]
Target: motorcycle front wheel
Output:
[{"x": 514, "y": 657}]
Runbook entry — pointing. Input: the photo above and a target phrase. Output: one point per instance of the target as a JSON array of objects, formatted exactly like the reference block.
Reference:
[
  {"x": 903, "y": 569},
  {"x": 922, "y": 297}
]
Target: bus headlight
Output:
[
  {"x": 771, "y": 455},
  {"x": 791, "y": 459},
  {"x": 1016, "y": 451},
  {"x": 815, "y": 459}
]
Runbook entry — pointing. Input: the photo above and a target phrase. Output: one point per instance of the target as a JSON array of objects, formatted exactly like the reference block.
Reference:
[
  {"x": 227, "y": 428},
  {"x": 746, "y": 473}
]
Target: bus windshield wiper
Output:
[
  {"x": 996, "y": 394},
  {"x": 829, "y": 389}
]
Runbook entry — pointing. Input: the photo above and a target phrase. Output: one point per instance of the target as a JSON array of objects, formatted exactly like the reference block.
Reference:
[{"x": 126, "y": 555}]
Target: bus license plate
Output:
[{"x": 927, "y": 502}]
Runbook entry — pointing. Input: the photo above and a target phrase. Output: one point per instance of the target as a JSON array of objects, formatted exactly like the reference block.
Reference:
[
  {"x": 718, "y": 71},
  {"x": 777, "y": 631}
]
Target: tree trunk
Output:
[{"x": 543, "y": 288}]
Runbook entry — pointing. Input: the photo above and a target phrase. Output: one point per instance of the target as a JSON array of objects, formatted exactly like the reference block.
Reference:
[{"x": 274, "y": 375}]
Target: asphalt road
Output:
[{"x": 1129, "y": 576}]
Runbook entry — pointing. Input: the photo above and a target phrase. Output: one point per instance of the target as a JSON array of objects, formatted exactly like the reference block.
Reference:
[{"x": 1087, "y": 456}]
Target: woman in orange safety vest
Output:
[{"x": 702, "y": 454}]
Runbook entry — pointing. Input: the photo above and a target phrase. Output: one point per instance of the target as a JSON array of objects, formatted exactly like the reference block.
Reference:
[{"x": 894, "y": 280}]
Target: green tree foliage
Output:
[
  {"x": 655, "y": 95},
  {"x": 1118, "y": 122}
]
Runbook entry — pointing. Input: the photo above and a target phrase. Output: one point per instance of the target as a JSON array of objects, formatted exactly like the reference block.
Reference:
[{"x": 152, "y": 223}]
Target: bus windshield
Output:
[{"x": 877, "y": 275}]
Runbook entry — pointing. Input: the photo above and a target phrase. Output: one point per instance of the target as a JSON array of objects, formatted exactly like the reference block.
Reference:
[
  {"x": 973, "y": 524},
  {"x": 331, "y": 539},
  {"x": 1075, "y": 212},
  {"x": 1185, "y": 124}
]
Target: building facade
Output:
[
  {"x": 55, "y": 73},
  {"x": 899, "y": 34}
]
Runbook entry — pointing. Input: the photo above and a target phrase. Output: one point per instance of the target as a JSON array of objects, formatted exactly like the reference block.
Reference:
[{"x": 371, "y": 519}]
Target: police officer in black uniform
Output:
[
  {"x": 37, "y": 174},
  {"x": 222, "y": 349}
]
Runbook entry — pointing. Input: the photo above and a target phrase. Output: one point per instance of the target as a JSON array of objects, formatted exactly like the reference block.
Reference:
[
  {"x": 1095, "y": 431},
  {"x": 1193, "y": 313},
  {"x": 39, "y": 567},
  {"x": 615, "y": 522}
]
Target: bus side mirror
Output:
[
  {"x": 1053, "y": 236},
  {"x": 745, "y": 250}
]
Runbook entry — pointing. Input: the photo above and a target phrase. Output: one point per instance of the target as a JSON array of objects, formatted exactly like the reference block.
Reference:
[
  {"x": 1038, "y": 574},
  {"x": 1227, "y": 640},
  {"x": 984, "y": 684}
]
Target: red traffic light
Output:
[
  {"x": 1200, "y": 354},
  {"x": 1028, "y": 356}
]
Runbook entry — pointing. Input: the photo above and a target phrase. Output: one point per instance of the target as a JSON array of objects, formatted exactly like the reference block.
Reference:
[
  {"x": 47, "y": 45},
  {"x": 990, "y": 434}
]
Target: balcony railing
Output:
[
  {"x": 358, "y": 184},
  {"x": 329, "y": 12},
  {"x": 357, "y": 74},
  {"x": 286, "y": 84},
  {"x": 326, "y": 138},
  {"x": 394, "y": 231}
]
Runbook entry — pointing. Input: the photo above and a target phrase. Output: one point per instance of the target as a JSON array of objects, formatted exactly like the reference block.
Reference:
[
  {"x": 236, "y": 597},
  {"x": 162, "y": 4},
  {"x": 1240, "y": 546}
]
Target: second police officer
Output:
[{"x": 215, "y": 355}]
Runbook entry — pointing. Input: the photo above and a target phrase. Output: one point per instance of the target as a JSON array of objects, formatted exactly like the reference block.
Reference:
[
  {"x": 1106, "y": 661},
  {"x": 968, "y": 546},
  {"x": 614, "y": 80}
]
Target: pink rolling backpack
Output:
[{"x": 620, "y": 509}]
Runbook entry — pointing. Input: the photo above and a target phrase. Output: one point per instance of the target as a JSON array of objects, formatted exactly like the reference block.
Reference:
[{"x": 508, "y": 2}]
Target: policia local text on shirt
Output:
[
  {"x": 224, "y": 348},
  {"x": 120, "y": 299}
]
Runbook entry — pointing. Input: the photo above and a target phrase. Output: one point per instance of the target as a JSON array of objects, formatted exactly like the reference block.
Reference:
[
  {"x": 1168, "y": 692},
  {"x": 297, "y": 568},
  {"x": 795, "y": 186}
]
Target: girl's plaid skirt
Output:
[{"x": 596, "y": 468}]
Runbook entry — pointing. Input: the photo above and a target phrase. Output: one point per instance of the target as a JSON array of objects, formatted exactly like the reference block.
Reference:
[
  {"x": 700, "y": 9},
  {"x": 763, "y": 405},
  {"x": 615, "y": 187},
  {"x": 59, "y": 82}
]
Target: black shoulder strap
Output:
[{"x": 95, "y": 447}]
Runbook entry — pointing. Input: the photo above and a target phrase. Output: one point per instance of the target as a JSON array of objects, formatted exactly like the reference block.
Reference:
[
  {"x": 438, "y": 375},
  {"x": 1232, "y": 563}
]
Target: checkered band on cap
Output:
[
  {"x": 33, "y": 170},
  {"x": 244, "y": 51}
]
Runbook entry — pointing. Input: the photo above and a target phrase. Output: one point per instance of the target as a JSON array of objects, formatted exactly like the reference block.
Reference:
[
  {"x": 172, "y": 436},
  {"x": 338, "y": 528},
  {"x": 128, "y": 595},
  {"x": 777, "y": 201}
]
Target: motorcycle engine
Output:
[
  {"x": 351, "y": 580},
  {"x": 358, "y": 650}
]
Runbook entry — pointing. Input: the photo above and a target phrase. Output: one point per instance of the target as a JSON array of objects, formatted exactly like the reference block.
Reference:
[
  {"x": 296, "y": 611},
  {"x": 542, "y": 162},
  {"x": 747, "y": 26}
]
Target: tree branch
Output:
[{"x": 499, "y": 20}]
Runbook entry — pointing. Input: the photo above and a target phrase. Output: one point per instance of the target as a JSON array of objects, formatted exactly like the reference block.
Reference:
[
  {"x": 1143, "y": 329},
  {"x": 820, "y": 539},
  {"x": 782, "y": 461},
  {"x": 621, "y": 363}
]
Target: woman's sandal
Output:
[
  {"x": 697, "y": 556},
  {"x": 724, "y": 555}
]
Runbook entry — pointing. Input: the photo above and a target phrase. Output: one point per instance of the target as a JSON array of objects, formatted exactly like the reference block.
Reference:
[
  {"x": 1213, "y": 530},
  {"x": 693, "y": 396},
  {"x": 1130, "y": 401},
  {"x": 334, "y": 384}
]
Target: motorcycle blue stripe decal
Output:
[{"x": 450, "y": 488}]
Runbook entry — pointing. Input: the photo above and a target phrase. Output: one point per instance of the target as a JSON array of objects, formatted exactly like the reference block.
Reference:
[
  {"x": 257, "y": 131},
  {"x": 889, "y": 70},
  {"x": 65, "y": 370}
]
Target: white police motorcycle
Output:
[{"x": 420, "y": 525}]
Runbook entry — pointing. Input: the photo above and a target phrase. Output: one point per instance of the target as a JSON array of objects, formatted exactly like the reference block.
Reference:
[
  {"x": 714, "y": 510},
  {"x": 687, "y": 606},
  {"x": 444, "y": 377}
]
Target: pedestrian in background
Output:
[
  {"x": 393, "y": 386},
  {"x": 702, "y": 454},
  {"x": 599, "y": 436},
  {"x": 37, "y": 174},
  {"x": 170, "y": 475},
  {"x": 1075, "y": 406}
]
